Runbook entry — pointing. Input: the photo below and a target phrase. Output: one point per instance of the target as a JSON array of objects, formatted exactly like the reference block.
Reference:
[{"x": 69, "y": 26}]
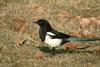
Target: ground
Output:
[{"x": 20, "y": 45}]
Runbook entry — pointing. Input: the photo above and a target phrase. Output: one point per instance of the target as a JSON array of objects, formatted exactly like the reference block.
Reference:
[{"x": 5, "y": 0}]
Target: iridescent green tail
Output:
[{"x": 75, "y": 39}]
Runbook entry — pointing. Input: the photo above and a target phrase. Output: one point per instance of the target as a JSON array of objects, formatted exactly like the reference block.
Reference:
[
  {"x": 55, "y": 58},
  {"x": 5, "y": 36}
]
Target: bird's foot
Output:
[{"x": 53, "y": 51}]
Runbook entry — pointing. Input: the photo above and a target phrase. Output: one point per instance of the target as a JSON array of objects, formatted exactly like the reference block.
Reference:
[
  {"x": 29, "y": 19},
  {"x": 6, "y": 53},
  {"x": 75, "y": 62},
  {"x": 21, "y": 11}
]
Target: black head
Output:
[{"x": 43, "y": 23}]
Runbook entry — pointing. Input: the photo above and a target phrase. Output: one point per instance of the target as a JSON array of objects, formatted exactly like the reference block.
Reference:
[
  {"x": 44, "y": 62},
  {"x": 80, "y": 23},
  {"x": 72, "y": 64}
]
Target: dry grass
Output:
[{"x": 20, "y": 45}]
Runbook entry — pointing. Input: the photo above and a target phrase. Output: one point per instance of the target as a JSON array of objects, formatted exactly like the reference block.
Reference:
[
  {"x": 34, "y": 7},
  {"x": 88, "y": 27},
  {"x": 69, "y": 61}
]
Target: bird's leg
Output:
[{"x": 53, "y": 51}]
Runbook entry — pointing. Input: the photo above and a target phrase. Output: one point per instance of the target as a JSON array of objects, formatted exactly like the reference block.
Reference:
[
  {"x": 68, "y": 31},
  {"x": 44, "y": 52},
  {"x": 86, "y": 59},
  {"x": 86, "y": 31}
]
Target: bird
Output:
[{"x": 54, "y": 38}]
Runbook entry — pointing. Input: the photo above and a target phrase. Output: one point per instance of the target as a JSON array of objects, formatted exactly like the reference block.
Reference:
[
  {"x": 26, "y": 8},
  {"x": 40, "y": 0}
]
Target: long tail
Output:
[{"x": 76, "y": 39}]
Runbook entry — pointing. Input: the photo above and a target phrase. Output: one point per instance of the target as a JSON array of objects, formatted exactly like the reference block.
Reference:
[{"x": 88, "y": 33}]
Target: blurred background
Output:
[{"x": 20, "y": 45}]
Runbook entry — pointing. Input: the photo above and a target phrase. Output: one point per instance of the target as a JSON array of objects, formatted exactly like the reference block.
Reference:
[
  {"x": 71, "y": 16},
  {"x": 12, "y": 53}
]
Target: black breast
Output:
[
  {"x": 43, "y": 30},
  {"x": 42, "y": 34}
]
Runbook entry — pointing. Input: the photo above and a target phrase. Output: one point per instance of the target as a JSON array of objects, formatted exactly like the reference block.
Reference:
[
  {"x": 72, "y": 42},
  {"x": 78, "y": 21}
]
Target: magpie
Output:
[{"x": 54, "y": 38}]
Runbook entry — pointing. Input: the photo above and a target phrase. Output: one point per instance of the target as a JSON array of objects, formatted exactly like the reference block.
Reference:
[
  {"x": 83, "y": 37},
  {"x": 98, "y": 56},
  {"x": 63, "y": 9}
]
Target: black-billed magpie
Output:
[{"x": 54, "y": 38}]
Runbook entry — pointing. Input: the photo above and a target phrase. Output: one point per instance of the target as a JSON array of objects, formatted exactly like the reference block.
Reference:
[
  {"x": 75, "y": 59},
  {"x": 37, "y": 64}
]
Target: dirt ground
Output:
[{"x": 20, "y": 45}]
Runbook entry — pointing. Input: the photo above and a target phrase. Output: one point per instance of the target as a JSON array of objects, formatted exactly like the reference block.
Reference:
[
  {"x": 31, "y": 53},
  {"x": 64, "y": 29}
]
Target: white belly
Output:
[{"x": 52, "y": 42}]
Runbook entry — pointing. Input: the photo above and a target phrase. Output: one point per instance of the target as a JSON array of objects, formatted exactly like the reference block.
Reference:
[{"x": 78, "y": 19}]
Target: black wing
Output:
[{"x": 59, "y": 35}]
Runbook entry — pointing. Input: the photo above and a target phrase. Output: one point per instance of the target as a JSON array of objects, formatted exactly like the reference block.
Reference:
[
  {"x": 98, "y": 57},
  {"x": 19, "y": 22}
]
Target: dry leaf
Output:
[
  {"x": 32, "y": 33},
  {"x": 19, "y": 24},
  {"x": 77, "y": 17},
  {"x": 39, "y": 55},
  {"x": 63, "y": 14},
  {"x": 20, "y": 42},
  {"x": 36, "y": 8},
  {"x": 98, "y": 21},
  {"x": 85, "y": 21},
  {"x": 70, "y": 45},
  {"x": 98, "y": 17},
  {"x": 93, "y": 21}
]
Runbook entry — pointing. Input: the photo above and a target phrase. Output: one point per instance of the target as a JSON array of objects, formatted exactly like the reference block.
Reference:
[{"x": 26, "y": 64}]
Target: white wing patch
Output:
[
  {"x": 49, "y": 33},
  {"x": 52, "y": 42}
]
